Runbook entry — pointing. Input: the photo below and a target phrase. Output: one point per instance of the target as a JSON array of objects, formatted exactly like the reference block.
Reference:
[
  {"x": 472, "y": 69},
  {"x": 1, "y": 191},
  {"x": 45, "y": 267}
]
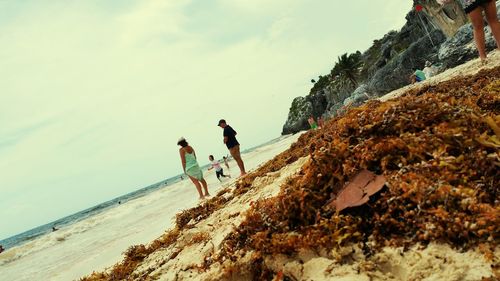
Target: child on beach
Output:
[
  {"x": 219, "y": 172},
  {"x": 191, "y": 167}
]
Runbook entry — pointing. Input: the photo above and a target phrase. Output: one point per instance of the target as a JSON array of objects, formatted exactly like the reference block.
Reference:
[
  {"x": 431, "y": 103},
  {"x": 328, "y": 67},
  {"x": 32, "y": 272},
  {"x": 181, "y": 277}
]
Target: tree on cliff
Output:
[
  {"x": 346, "y": 70},
  {"x": 322, "y": 82}
]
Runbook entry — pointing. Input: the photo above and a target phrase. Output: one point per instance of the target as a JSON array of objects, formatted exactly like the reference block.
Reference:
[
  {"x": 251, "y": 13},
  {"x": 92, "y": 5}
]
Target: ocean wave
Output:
[
  {"x": 38, "y": 244},
  {"x": 42, "y": 241},
  {"x": 81, "y": 223}
]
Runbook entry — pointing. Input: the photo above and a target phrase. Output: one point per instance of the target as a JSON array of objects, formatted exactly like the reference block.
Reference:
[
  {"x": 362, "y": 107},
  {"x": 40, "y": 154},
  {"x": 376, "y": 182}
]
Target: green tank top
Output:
[{"x": 190, "y": 160}]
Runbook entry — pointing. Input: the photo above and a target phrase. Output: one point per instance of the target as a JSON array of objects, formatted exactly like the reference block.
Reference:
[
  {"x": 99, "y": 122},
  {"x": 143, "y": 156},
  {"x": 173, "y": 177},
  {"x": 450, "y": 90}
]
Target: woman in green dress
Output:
[{"x": 191, "y": 167}]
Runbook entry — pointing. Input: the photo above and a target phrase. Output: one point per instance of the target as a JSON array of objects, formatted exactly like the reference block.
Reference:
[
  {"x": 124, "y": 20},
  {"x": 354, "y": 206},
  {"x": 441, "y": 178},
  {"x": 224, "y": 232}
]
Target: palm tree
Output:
[{"x": 346, "y": 70}]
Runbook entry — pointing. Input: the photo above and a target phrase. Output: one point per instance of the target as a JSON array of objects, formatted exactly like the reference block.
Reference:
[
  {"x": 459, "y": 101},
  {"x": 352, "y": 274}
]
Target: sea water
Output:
[
  {"x": 95, "y": 239},
  {"x": 30, "y": 235}
]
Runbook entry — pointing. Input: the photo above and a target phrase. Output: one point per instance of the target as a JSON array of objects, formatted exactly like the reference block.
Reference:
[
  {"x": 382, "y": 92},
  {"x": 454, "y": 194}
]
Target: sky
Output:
[{"x": 95, "y": 94}]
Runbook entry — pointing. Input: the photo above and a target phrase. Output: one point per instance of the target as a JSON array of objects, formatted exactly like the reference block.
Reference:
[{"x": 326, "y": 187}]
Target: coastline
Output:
[
  {"x": 98, "y": 242},
  {"x": 198, "y": 248}
]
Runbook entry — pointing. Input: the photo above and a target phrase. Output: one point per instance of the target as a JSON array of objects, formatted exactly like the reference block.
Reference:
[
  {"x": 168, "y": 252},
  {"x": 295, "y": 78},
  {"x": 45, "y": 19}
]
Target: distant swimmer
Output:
[
  {"x": 191, "y": 167},
  {"x": 54, "y": 228},
  {"x": 119, "y": 202},
  {"x": 1, "y": 248}
]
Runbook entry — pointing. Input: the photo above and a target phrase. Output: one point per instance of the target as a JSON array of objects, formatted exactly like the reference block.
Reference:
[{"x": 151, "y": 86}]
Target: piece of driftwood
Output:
[{"x": 358, "y": 191}]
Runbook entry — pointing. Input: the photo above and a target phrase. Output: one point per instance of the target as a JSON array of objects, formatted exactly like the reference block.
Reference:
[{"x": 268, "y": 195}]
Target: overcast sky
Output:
[{"x": 94, "y": 94}]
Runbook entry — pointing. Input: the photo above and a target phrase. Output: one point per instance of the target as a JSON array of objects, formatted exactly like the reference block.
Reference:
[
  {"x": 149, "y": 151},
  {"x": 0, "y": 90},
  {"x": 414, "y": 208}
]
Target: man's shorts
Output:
[{"x": 235, "y": 151}]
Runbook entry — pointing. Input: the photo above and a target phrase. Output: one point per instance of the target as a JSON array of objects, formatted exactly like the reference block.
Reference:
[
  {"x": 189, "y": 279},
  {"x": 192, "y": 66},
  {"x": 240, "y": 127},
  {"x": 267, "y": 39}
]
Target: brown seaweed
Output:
[{"x": 436, "y": 147}]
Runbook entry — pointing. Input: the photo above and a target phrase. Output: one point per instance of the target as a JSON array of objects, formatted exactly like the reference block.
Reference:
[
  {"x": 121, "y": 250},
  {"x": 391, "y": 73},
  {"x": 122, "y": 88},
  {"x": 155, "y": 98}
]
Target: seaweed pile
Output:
[
  {"x": 202, "y": 211},
  {"x": 438, "y": 148}
]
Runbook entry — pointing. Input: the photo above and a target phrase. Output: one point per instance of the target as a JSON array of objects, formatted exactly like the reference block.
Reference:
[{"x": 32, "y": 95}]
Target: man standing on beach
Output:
[{"x": 232, "y": 144}]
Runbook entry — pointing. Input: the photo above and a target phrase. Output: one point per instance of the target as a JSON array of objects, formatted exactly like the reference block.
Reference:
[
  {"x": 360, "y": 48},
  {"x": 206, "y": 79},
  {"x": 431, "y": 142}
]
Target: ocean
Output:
[
  {"x": 95, "y": 238},
  {"x": 36, "y": 232}
]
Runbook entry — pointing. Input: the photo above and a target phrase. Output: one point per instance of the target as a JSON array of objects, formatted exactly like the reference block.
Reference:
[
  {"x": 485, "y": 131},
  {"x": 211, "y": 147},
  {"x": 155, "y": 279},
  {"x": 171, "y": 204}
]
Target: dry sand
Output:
[
  {"x": 217, "y": 225},
  {"x": 434, "y": 262},
  {"x": 182, "y": 260}
]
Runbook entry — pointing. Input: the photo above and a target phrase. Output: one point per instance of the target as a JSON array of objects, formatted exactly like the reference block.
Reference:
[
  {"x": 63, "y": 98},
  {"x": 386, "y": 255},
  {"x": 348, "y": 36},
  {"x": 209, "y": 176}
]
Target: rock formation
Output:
[
  {"x": 438, "y": 33},
  {"x": 448, "y": 18}
]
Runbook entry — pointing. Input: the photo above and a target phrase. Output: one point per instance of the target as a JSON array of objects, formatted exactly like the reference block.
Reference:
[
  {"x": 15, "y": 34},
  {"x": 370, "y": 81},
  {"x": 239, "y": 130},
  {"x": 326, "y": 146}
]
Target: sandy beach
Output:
[
  {"x": 369, "y": 136},
  {"x": 99, "y": 241},
  {"x": 211, "y": 242}
]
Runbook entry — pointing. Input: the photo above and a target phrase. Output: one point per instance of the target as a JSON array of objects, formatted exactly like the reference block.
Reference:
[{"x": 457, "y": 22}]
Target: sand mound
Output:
[
  {"x": 438, "y": 148},
  {"x": 437, "y": 218}
]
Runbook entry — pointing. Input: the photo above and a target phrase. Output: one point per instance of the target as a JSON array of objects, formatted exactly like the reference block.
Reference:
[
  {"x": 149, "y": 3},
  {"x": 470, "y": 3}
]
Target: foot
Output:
[
  {"x": 484, "y": 61},
  {"x": 207, "y": 194}
]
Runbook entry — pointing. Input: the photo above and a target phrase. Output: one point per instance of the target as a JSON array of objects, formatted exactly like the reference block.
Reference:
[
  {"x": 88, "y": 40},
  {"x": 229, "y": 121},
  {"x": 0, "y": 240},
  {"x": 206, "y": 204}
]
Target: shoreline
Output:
[
  {"x": 98, "y": 242},
  {"x": 202, "y": 249}
]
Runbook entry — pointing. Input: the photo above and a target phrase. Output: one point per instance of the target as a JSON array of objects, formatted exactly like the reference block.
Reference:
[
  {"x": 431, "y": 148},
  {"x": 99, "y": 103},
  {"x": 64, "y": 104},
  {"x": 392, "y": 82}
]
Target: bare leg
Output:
[
  {"x": 476, "y": 18},
  {"x": 226, "y": 176},
  {"x": 235, "y": 152},
  {"x": 491, "y": 16},
  {"x": 198, "y": 186},
  {"x": 241, "y": 165},
  {"x": 204, "y": 183}
]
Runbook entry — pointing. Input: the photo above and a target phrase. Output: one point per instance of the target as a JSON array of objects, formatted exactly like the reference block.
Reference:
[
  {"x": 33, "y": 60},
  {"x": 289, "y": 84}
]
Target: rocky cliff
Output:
[{"x": 439, "y": 34}]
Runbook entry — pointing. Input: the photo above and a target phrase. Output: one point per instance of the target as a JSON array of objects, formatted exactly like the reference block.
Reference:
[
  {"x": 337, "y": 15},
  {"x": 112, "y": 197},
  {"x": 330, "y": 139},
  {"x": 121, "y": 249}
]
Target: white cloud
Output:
[
  {"x": 152, "y": 20},
  {"x": 93, "y": 100},
  {"x": 279, "y": 27},
  {"x": 260, "y": 7}
]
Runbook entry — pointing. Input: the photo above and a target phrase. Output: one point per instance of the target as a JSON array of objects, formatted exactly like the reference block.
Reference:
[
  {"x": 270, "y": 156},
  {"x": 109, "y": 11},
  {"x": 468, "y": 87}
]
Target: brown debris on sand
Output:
[
  {"x": 358, "y": 190},
  {"x": 437, "y": 148},
  {"x": 438, "y": 153}
]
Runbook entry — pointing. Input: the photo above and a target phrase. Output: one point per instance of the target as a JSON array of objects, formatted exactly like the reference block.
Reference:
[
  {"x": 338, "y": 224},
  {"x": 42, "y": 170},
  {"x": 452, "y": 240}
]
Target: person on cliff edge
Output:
[
  {"x": 474, "y": 8},
  {"x": 232, "y": 144}
]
